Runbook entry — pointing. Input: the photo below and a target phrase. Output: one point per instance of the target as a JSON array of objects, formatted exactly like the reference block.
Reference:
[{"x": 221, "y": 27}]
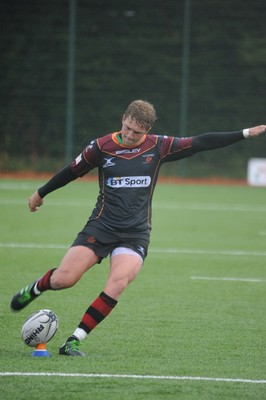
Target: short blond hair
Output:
[{"x": 142, "y": 112}]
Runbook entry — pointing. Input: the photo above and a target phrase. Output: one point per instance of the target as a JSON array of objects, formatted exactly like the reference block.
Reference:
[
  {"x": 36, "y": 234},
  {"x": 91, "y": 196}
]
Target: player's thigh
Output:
[
  {"x": 124, "y": 268},
  {"x": 75, "y": 263}
]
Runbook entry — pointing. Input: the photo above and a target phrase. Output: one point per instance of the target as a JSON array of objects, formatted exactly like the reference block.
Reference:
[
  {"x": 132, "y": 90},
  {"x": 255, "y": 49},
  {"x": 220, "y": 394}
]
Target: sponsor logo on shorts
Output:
[
  {"x": 141, "y": 249},
  {"x": 91, "y": 239},
  {"x": 128, "y": 181}
]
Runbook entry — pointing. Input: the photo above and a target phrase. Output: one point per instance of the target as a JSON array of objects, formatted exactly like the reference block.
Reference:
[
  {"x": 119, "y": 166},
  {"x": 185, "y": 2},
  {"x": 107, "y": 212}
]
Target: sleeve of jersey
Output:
[
  {"x": 185, "y": 147},
  {"x": 60, "y": 179},
  {"x": 175, "y": 148},
  {"x": 86, "y": 161},
  {"x": 215, "y": 140}
]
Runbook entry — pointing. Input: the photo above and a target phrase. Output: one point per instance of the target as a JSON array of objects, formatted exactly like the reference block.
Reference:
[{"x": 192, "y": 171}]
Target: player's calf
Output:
[{"x": 26, "y": 295}]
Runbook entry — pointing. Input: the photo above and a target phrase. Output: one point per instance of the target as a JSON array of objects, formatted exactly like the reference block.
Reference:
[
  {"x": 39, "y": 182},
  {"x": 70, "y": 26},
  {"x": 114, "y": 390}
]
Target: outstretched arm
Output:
[{"x": 215, "y": 140}]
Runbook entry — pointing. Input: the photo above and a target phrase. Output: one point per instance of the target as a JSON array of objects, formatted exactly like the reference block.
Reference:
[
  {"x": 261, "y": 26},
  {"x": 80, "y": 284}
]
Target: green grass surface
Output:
[{"x": 196, "y": 312}]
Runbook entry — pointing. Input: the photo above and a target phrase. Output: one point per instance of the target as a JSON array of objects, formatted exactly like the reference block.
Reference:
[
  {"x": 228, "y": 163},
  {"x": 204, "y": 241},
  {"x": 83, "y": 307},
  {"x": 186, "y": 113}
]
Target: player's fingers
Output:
[
  {"x": 33, "y": 207},
  {"x": 257, "y": 130}
]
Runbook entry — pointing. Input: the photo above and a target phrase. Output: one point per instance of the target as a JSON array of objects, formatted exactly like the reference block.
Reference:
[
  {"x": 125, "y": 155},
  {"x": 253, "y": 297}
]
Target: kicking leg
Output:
[{"x": 75, "y": 263}]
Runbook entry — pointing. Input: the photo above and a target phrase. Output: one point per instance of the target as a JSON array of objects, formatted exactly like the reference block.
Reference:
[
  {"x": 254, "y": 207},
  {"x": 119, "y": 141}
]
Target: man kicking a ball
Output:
[{"x": 128, "y": 163}]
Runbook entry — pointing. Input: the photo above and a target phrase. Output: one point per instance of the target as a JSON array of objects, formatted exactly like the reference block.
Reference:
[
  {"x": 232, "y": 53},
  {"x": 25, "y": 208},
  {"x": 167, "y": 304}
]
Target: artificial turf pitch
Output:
[{"x": 192, "y": 325}]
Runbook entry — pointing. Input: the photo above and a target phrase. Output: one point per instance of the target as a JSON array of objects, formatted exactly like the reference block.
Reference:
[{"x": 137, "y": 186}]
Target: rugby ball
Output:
[{"x": 40, "y": 327}]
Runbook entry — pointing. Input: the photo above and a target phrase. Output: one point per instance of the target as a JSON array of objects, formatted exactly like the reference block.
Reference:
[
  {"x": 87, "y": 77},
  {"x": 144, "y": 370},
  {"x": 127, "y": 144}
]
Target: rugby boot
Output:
[
  {"x": 71, "y": 348},
  {"x": 23, "y": 298}
]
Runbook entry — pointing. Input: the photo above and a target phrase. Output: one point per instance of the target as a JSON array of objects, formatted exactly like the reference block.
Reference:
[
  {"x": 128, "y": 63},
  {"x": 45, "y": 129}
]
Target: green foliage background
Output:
[{"x": 124, "y": 51}]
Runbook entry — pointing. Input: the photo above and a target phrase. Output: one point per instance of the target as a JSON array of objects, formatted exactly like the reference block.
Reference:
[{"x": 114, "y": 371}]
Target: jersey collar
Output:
[{"x": 117, "y": 139}]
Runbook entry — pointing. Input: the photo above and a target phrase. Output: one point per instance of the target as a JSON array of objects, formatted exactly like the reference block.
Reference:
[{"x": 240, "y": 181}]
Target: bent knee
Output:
[{"x": 115, "y": 288}]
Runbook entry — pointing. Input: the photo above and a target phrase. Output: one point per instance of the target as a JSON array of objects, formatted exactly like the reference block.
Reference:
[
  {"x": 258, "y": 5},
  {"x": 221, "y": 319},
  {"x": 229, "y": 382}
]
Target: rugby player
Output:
[{"x": 128, "y": 163}]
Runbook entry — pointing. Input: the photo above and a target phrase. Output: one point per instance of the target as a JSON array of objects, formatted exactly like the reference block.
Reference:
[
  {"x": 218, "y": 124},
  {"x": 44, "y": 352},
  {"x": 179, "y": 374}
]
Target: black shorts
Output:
[{"x": 103, "y": 240}]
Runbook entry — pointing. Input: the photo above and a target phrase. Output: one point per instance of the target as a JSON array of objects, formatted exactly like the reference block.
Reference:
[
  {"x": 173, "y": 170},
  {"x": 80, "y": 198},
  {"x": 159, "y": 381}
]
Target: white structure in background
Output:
[{"x": 257, "y": 172}]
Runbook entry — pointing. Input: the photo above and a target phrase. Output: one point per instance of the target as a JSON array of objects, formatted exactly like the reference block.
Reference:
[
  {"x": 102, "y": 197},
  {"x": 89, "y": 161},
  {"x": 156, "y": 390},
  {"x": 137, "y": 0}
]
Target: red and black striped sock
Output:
[
  {"x": 97, "y": 311},
  {"x": 44, "y": 282}
]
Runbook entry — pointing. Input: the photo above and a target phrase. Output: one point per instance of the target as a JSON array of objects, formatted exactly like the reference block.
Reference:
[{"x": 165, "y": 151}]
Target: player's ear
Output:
[{"x": 123, "y": 118}]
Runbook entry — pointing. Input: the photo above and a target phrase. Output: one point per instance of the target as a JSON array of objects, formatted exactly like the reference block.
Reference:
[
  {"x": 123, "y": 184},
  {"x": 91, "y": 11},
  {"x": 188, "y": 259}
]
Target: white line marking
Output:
[
  {"x": 161, "y": 205},
  {"x": 124, "y": 376},
  {"x": 15, "y": 186},
  {"x": 211, "y": 207},
  {"x": 211, "y": 252},
  {"x": 33, "y": 245},
  {"x": 209, "y": 278},
  {"x": 152, "y": 250},
  {"x": 53, "y": 203}
]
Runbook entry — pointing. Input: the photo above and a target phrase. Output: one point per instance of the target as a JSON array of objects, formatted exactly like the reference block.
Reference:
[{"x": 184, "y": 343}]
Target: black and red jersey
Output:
[{"x": 128, "y": 175}]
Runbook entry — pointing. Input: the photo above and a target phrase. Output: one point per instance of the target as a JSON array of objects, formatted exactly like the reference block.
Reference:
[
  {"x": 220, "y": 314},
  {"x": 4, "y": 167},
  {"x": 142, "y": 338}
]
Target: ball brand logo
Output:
[
  {"x": 34, "y": 334},
  {"x": 128, "y": 181}
]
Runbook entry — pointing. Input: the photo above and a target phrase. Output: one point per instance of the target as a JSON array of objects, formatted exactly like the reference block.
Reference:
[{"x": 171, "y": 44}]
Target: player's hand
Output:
[
  {"x": 257, "y": 130},
  {"x": 34, "y": 202}
]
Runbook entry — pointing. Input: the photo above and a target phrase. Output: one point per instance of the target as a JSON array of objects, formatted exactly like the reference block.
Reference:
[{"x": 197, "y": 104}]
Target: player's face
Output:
[{"x": 132, "y": 134}]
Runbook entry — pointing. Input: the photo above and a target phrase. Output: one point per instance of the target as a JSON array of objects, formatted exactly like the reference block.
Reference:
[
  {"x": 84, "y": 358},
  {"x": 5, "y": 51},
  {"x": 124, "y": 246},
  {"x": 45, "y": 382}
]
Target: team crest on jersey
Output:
[
  {"x": 148, "y": 158},
  {"x": 109, "y": 162}
]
